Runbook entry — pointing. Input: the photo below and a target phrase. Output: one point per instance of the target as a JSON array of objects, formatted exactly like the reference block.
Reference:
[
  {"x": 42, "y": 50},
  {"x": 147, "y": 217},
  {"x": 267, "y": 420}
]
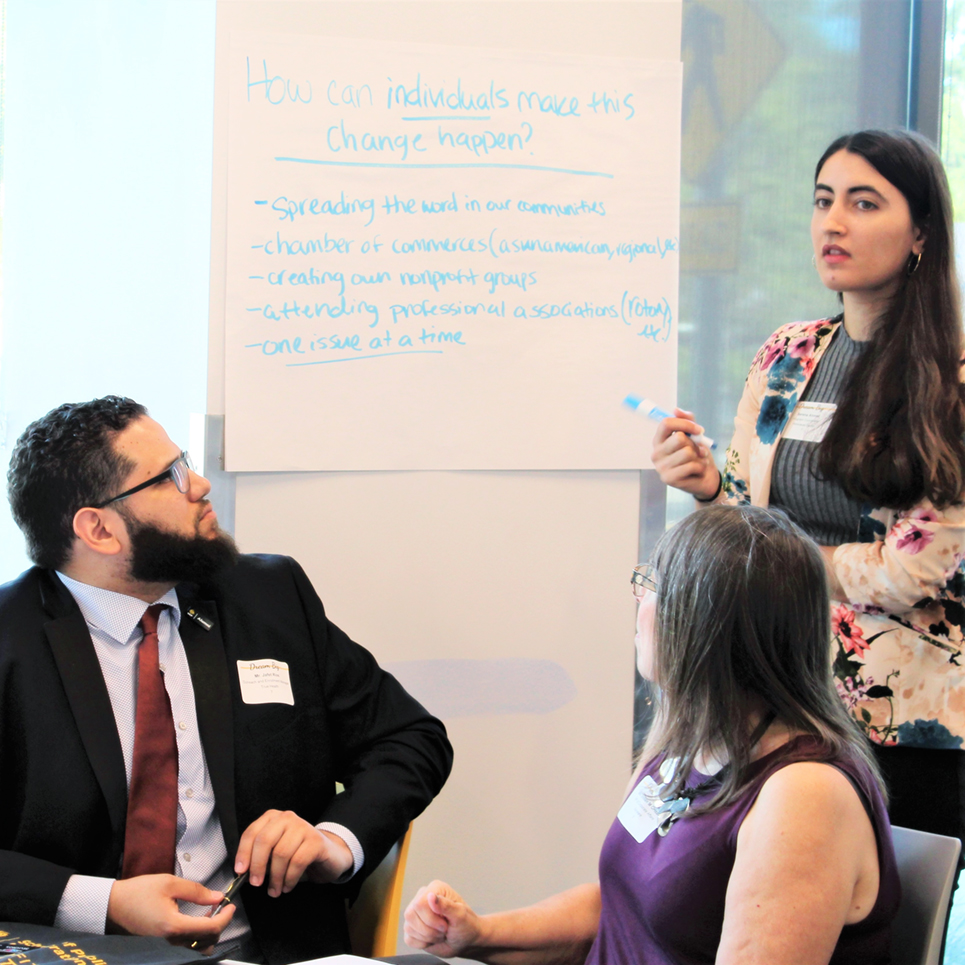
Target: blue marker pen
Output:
[{"x": 651, "y": 410}]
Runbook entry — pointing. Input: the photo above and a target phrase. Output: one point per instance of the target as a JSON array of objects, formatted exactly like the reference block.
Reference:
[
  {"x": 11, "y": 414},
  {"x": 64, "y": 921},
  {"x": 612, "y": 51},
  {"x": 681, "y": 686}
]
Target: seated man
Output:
[{"x": 173, "y": 713}]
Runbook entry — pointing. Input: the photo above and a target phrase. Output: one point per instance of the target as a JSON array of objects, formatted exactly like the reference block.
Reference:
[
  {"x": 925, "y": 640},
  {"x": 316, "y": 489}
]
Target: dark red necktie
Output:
[{"x": 152, "y": 801}]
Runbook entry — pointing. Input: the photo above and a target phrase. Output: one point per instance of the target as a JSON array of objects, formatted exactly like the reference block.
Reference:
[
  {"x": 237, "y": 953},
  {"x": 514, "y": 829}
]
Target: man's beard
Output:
[{"x": 158, "y": 556}]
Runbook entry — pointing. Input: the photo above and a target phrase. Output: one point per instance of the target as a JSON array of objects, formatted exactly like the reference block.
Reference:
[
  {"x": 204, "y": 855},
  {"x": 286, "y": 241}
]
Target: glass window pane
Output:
[
  {"x": 953, "y": 119},
  {"x": 753, "y": 129}
]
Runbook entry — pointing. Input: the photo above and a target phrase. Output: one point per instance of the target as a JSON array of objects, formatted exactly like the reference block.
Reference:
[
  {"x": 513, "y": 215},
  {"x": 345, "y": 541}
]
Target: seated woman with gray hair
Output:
[{"x": 755, "y": 829}]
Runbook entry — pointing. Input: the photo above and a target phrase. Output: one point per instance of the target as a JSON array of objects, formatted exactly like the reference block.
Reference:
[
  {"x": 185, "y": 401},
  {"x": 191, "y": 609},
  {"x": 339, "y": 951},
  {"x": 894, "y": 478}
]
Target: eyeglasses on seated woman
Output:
[{"x": 755, "y": 827}]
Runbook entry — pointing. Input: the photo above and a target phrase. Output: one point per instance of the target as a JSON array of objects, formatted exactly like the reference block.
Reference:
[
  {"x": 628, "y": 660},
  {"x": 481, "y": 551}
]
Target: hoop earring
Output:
[{"x": 913, "y": 262}]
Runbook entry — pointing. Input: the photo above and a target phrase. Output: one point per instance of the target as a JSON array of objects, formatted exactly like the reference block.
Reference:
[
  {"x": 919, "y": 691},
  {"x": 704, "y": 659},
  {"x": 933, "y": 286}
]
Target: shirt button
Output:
[
  {"x": 189, "y": 792},
  {"x": 182, "y": 725},
  {"x": 161, "y": 667},
  {"x": 186, "y": 856}
]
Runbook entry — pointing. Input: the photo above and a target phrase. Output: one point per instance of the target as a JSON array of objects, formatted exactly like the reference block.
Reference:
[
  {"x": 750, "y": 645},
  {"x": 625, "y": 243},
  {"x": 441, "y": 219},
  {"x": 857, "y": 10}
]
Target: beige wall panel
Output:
[{"x": 484, "y": 566}]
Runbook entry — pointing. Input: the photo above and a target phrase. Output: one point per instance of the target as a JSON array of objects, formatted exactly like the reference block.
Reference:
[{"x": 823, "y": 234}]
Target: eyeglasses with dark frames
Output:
[
  {"x": 644, "y": 578},
  {"x": 178, "y": 472}
]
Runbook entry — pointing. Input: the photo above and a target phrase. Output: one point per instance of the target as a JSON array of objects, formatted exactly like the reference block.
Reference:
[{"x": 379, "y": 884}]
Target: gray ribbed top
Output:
[{"x": 821, "y": 509}]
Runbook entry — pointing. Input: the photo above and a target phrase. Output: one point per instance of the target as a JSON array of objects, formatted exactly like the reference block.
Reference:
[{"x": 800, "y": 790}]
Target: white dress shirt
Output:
[{"x": 200, "y": 853}]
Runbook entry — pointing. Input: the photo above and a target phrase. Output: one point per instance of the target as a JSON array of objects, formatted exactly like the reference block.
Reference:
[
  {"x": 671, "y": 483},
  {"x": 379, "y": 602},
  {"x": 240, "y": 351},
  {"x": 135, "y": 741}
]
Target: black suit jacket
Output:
[{"x": 63, "y": 792}]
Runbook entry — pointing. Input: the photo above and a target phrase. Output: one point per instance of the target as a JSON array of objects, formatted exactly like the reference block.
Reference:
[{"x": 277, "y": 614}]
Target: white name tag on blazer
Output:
[
  {"x": 265, "y": 682},
  {"x": 809, "y": 421},
  {"x": 638, "y": 814}
]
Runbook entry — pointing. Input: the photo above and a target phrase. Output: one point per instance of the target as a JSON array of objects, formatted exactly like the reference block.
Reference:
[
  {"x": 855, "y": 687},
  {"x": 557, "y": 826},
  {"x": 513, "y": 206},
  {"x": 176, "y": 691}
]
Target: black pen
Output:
[{"x": 229, "y": 895}]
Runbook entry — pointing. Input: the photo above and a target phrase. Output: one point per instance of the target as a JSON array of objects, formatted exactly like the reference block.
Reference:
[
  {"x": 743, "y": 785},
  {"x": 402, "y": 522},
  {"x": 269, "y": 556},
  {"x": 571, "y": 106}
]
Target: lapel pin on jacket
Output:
[{"x": 202, "y": 621}]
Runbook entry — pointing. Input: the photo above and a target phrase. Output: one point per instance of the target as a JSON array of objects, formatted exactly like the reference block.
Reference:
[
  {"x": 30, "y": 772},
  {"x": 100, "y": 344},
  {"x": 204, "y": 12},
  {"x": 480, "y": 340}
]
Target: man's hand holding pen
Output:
[
  {"x": 278, "y": 850},
  {"x": 148, "y": 905}
]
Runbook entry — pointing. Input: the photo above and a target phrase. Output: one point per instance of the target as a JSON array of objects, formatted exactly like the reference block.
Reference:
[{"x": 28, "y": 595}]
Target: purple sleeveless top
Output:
[{"x": 663, "y": 899}]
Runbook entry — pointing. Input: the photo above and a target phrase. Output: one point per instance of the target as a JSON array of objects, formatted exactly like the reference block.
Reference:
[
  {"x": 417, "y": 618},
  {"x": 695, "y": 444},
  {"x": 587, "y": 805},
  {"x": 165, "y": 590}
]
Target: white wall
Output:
[{"x": 107, "y": 220}]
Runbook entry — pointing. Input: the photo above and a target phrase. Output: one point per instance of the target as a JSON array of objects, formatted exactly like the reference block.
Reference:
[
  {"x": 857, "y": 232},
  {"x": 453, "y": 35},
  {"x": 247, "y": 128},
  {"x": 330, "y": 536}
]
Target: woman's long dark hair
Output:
[
  {"x": 742, "y": 627},
  {"x": 897, "y": 435}
]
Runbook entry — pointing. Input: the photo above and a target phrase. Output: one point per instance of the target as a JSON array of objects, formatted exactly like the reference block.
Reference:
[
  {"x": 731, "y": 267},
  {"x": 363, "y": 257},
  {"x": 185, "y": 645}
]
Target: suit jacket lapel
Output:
[
  {"x": 81, "y": 676},
  {"x": 212, "y": 697}
]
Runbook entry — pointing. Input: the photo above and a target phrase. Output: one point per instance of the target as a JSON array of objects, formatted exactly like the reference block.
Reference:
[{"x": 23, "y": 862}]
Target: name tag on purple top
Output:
[{"x": 639, "y": 813}]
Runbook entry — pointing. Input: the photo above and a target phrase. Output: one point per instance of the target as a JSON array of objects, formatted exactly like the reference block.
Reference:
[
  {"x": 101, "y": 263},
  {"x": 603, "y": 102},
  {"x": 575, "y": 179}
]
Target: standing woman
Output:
[{"x": 854, "y": 426}]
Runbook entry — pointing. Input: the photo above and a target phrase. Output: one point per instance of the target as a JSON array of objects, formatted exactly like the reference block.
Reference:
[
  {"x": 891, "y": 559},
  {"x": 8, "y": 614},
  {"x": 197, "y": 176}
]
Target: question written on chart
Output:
[{"x": 446, "y": 258}]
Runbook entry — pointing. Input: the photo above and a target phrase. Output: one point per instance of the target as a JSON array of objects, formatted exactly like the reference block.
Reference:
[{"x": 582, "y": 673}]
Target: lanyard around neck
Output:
[{"x": 675, "y": 807}]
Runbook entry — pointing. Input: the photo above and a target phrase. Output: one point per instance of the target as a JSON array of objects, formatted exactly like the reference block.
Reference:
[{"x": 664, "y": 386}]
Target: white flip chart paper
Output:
[{"x": 446, "y": 258}]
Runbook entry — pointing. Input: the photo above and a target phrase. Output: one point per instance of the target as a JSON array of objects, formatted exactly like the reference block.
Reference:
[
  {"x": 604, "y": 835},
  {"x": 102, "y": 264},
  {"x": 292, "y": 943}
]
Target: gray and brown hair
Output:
[{"x": 742, "y": 628}]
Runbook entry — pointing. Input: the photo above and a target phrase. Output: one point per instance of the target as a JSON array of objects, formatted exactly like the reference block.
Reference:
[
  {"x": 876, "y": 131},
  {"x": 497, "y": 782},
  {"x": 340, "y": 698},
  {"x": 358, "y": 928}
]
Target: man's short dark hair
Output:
[{"x": 62, "y": 462}]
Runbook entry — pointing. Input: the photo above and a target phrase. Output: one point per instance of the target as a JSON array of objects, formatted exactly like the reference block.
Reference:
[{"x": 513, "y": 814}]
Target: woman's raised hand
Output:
[
  {"x": 440, "y": 922},
  {"x": 679, "y": 461}
]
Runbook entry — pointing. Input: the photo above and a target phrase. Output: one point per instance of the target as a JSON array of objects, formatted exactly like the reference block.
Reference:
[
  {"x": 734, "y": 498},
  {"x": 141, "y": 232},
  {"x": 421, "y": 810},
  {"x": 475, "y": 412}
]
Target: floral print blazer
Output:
[{"x": 897, "y": 639}]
